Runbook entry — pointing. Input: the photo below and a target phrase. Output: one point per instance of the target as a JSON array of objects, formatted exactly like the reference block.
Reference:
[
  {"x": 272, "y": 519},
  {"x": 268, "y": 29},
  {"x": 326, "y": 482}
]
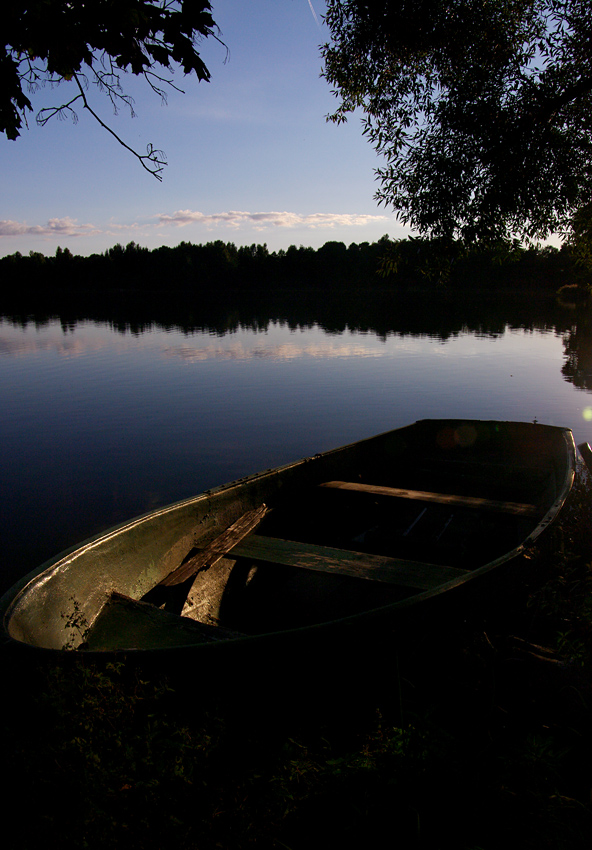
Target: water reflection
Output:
[
  {"x": 577, "y": 368},
  {"x": 382, "y": 314},
  {"x": 331, "y": 326},
  {"x": 113, "y": 408}
]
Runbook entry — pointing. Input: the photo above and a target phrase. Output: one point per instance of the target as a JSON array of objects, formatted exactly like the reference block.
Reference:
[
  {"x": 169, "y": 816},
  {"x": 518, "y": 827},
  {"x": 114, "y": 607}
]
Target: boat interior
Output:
[{"x": 333, "y": 547}]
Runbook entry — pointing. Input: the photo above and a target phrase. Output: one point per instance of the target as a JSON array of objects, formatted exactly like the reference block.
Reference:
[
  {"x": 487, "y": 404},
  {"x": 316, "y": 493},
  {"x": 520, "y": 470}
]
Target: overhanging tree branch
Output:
[
  {"x": 153, "y": 160},
  {"x": 48, "y": 42}
]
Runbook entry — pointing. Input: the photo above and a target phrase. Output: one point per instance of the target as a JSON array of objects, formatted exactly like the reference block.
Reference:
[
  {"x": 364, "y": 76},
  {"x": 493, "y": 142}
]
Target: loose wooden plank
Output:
[
  {"x": 218, "y": 548},
  {"x": 308, "y": 556},
  {"x": 128, "y": 623},
  {"x": 515, "y": 508}
]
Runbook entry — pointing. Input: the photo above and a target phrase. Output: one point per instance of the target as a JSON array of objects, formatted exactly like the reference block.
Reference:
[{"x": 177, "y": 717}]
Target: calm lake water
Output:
[{"x": 105, "y": 418}]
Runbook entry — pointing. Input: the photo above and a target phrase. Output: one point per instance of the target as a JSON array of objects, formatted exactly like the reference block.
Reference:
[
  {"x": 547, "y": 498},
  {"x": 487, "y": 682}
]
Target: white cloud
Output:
[
  {"x": 262, "y": 220},
  {"x": 234, "y": 219},
  {"x": 54, "y": 227}
]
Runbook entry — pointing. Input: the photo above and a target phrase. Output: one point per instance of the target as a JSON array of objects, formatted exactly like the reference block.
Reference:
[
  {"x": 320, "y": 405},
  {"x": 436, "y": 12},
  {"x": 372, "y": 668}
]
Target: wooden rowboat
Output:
[{"x": 362, "y": 534}]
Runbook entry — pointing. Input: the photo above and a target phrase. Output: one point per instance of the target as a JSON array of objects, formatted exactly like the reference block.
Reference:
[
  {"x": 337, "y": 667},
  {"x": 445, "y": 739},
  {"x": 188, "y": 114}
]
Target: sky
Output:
[{"x": 251, "y": 158}]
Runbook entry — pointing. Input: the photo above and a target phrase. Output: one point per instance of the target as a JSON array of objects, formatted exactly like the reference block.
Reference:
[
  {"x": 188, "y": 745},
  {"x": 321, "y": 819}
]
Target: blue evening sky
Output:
[{"x": 250, "y": 155}]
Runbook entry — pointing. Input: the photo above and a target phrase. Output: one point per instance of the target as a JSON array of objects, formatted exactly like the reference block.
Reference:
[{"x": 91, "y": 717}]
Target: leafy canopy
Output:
[
  {"x": 93, "y": 42},
  {"x": 481, "y": 109}
]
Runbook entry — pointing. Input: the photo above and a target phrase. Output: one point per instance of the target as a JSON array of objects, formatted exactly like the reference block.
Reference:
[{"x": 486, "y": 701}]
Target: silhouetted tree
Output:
[{"x": 482, "y": 110}]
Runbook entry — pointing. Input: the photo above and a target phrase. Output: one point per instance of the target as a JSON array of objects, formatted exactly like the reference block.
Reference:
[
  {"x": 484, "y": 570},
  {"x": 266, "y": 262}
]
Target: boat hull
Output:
[{"x": 97, "y": 595}]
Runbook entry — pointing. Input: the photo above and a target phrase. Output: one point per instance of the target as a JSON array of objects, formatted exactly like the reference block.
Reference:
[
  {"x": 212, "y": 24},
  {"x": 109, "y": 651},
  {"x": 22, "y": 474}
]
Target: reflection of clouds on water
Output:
[
  {"x": 278, "y": 342},
  {"x": 52, "y": 338},
  {"x": 69, "y": 347},
  {"x": 279, "y": 351},
  {"x": 77, "y": 346}
]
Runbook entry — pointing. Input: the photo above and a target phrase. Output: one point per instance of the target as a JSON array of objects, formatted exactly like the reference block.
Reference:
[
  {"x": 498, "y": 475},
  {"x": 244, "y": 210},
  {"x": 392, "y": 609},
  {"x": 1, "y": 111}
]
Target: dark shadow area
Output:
[
  {"x": 438, "y": 315},
  {"x": 471, "y": 731}
]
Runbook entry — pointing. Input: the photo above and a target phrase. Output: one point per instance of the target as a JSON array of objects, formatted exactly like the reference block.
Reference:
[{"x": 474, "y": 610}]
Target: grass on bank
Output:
[{"x": 484, "y": 742}]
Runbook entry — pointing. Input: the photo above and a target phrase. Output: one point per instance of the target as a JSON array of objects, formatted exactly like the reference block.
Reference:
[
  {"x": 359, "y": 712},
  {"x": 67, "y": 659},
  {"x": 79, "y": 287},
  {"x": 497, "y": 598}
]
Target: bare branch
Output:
[
  {"x": 109, "y": 84},
  {"x": 44, "y": 115},
  {"x": 153, "y": 160},
  {"x": 150, "y": 76}
]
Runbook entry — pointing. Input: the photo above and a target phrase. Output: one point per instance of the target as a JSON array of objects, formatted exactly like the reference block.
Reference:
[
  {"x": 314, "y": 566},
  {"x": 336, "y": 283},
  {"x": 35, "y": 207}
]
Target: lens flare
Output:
[{"x": 587, "y": 413}]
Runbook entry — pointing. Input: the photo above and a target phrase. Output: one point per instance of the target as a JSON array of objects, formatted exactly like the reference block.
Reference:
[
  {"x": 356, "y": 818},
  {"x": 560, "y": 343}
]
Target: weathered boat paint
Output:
[{"x": 250, "y": 601}]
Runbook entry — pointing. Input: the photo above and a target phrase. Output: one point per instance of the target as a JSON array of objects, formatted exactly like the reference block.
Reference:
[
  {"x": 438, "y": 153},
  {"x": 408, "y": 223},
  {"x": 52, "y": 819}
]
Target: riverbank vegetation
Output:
[
  {"x": 399, "y": 265},
  {"x": 478, "y": 736}
]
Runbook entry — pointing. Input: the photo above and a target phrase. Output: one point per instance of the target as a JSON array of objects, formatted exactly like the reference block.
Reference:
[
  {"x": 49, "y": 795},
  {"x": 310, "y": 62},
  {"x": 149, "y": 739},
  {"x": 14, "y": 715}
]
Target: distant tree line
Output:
[{"x": 405, "y": 265}]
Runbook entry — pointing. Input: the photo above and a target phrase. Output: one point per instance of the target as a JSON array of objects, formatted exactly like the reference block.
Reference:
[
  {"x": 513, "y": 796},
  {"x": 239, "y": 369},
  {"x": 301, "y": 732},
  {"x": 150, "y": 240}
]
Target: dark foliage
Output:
[
  {"x": 79, "y": 43},
  {"x": 481, "y": 110},
  {"x": 410, "y": 264}
]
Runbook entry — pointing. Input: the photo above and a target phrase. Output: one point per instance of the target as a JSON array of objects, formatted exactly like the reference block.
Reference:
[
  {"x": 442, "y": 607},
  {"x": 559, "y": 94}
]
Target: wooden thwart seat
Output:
[
  {"x": 515, "y": 508},
  {"x": 308, "y": 556}
]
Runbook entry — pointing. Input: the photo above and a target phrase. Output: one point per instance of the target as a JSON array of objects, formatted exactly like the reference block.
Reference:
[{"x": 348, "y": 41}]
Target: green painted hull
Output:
[{"x": 97, "y": 597}]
